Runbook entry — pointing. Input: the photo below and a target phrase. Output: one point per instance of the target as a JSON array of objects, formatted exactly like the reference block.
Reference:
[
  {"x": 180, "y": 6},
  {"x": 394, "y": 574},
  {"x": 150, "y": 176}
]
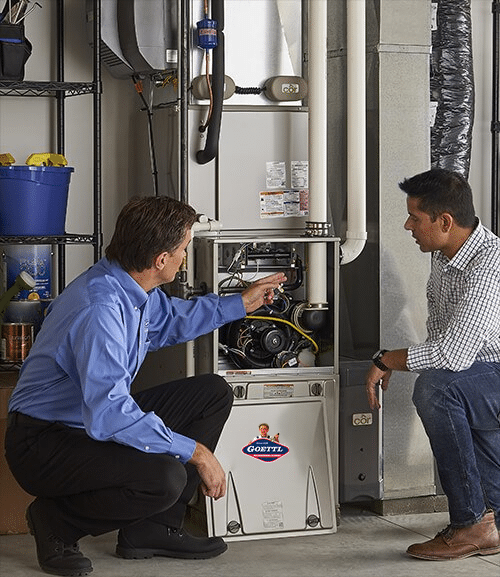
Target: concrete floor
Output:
[{"x": 365, "y": 545}]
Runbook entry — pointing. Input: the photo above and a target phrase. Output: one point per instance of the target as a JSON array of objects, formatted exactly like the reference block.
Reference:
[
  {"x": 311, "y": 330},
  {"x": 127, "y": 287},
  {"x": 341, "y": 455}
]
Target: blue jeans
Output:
[{"x": 461, "y": 416}]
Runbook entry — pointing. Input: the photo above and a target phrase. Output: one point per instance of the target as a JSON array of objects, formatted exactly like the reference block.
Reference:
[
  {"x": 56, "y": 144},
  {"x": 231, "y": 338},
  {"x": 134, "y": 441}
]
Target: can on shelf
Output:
[
  {"x": 36, "y": 260},
  {"x": 17, "y": 339}
]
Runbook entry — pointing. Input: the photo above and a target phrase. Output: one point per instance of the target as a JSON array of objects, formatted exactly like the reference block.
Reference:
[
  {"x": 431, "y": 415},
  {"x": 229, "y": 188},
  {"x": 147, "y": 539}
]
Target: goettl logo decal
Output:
[{"x": 264, "y": 447}]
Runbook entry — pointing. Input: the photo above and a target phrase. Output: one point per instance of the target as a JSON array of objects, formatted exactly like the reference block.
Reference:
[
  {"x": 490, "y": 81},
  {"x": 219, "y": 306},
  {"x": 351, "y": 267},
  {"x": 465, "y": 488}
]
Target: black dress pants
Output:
[{"x": 92, "y": 487}]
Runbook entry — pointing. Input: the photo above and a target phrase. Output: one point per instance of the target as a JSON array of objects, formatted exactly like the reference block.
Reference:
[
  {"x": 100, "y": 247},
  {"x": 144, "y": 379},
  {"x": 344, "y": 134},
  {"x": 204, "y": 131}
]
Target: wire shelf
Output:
[
  {"x": 62, "y": 239},
  {"x": 49, "y": 88}
]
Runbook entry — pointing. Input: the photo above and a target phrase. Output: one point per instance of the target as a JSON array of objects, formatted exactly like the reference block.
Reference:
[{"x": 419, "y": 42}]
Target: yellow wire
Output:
[{"x": 316, "y": 348}]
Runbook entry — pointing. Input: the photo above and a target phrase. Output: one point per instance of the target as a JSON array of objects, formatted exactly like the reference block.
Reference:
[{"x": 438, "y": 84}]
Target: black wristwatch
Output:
[{"x": 377, "y": 362}]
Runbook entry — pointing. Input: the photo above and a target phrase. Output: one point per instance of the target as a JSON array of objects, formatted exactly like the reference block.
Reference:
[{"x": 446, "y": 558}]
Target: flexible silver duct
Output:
[{"x": 452, "y": 86}]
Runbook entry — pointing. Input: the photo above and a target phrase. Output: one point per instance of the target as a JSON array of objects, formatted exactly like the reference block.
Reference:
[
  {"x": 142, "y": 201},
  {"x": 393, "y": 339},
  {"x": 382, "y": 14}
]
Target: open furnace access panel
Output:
[{"x": 279, "y": 446}]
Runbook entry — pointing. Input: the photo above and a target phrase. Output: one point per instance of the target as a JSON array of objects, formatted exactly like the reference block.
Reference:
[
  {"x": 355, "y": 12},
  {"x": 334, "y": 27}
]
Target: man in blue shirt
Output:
[{"x": 97, "y": 457}]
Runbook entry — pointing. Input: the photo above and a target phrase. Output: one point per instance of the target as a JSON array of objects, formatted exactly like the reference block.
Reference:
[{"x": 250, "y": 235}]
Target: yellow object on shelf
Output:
[
  {"x": 6, "y": 159},
  {"x": 46, "y": 159}
]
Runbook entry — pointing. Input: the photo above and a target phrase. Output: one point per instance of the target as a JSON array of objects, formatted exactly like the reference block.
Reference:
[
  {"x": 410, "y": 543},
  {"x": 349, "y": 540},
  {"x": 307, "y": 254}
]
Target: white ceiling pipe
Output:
[
  {"x": 356, "y": 131},
  {"x": 317, "y": 95}
]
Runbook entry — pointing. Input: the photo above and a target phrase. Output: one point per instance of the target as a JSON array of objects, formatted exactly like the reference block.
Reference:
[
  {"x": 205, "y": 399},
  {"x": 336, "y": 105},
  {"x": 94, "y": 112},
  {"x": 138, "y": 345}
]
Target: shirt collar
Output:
[
  {"x": 137, "y": 295},
  {"x": 467, "y": 251}
]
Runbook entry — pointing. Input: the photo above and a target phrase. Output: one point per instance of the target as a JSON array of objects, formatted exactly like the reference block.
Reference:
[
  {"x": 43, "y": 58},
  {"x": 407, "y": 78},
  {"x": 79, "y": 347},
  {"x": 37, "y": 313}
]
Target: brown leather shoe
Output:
[{"x": 457, "y": 543}]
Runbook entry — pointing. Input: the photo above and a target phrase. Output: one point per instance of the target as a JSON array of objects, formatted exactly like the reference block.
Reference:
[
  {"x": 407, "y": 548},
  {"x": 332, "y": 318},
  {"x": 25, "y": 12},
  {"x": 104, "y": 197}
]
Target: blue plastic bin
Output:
[{"x": 33, "y": 200}]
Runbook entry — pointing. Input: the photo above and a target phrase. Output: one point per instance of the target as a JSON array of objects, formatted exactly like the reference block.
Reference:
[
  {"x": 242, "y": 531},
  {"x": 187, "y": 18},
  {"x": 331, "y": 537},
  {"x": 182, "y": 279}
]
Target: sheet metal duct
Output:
[
  {"x": 137, "y": 36},
  {"x": 452, "y": 87}
]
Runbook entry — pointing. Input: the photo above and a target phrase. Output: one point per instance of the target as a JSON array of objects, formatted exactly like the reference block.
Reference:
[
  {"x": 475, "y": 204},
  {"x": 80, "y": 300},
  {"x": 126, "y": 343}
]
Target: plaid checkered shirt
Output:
[{"x": 463, "y": 299}]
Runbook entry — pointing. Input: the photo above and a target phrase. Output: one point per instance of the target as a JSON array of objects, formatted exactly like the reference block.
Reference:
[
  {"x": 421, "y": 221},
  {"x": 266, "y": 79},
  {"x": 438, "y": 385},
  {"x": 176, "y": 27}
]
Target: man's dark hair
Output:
[
  {"x": 438, "y": 191},
  {"x": 146, "y": 227}
]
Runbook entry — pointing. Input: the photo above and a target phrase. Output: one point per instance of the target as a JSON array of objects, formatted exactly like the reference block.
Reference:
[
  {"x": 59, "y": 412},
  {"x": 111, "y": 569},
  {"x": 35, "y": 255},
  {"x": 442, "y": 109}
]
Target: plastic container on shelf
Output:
[{"x": 33, "y": 200}]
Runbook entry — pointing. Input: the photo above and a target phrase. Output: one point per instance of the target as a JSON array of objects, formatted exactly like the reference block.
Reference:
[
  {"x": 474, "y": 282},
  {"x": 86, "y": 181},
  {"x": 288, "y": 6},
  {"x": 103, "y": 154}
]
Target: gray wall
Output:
[{"x": 383, "y": 291}]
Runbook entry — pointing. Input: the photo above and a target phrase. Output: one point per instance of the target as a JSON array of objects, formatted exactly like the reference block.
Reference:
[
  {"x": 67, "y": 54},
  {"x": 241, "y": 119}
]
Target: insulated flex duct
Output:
[{"x": 452, "y": 87}]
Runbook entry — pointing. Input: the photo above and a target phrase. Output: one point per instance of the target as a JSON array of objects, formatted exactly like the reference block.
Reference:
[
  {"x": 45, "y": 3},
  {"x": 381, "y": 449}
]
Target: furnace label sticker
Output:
[
  {"x": 272, "y": 515},
  {"x": 264, "y": 447},
  {"x": 276, "y": 174},
  {"x": 271, "y": 204},
  {"x": 284, "y": 203},
  {"x": 300, "y": 174}
]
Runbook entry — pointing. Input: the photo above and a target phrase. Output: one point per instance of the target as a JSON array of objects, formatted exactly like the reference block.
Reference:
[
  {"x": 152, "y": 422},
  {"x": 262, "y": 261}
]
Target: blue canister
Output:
[
  {"x": 207, "y": 33},
  {"x": 36, "y": 260}
]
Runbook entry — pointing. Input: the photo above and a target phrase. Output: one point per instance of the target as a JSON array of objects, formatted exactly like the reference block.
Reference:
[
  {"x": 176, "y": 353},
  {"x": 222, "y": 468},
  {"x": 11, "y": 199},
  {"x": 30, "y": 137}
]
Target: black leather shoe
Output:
[
  {"x": 54, "y": 556},
  {"x": 147, "y": 539}
]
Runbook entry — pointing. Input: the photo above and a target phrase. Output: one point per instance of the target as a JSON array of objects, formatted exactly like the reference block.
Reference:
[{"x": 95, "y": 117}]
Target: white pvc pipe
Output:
[
  {"x": 356, "y": 131},
  {"x": 317, "y": 254},
  {"x": 203, "y": 224},
  {"x": 317, "y": 110}
]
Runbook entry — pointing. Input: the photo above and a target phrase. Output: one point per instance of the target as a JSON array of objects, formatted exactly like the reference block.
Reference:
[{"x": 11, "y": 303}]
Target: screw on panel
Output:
[{"x": 233, "y": 527}]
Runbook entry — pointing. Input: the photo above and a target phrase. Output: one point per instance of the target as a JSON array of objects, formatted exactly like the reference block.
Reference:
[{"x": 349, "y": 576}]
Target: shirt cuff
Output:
[
  {"x": 232, "y": 307},
  {"x": 182, "y": 447},
  {"x": 422, "y": 357}
]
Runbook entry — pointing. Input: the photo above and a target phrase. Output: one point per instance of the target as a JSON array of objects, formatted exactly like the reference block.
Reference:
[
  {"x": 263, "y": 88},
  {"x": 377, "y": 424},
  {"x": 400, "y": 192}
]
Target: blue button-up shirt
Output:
[{"x": 91, "y": 346}]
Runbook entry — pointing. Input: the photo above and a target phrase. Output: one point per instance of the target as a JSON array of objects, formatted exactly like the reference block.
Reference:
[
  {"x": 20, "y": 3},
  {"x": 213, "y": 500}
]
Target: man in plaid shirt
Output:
[{"x": 457, "y": 392}]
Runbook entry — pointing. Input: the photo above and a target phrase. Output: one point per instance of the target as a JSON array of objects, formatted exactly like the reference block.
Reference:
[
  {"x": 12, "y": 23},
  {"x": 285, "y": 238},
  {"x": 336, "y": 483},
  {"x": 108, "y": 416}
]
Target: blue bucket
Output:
[{"x": 33, "y": 200}]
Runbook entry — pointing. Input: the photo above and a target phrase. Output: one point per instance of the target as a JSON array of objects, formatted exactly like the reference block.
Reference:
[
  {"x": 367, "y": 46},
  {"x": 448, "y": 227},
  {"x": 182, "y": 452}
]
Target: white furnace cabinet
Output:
[{"x": 279, "y": 447}]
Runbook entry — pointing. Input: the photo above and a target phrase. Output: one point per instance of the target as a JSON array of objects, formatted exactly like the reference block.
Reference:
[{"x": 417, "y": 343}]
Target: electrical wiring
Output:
[
  {"x": 227, "y": 349},
  {"x": 248, "y": 90},
  {"x": 172, "y": 80},
  {"x": 237, "y": 256},
  {"x": 152, "y": 152},
  {"x": 252, "y": 278},
  {"x": 235, "y": 276},
  {"x": 275, "y": 319}
]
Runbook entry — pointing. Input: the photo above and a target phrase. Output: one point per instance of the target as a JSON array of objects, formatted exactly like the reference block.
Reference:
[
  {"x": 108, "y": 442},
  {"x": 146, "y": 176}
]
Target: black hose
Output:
[
  {"x": 212, "y": 141},
  {"x": 184, "y": 84}
]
